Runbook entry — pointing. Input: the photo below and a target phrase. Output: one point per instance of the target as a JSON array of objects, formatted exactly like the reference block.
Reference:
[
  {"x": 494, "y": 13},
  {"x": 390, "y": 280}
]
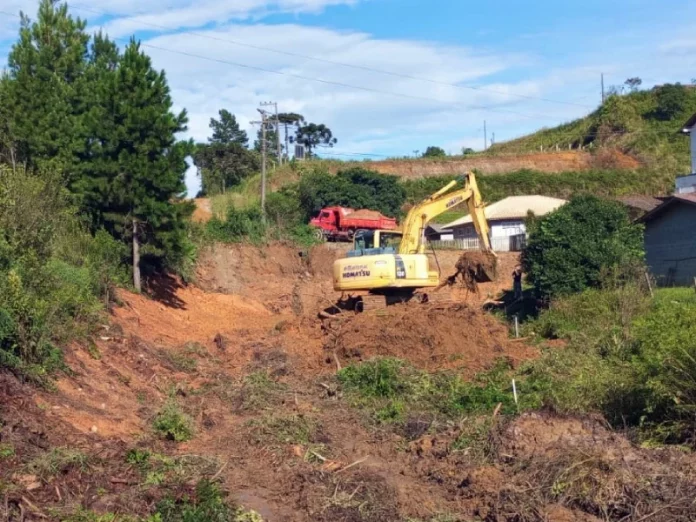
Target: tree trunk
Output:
[{"x": 136, "y": 258}]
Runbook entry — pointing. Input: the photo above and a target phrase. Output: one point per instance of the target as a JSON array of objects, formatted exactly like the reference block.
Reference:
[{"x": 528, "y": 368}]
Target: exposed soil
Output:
[{"x": 289, "y": 445}]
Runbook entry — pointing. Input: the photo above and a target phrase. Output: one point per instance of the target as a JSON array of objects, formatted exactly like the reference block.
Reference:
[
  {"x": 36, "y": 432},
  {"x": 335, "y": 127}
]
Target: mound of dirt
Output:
[{"x": 431, "y": 337}]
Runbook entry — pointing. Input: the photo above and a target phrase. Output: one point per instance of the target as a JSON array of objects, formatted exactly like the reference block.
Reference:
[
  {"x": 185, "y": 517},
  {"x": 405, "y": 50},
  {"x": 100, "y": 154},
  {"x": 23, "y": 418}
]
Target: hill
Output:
[{"x": 644, "y": 124}]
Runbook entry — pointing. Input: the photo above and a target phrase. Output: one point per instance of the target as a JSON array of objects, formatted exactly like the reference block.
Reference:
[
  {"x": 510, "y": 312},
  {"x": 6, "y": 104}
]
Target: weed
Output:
[
  {"x": 58, "y": 460},
  {"x": 258, "y": 391},
  {"x": 474, "y": 438},
  {"x": 207, "y": 505},
  {"x": 172, "y": 423},
  {"x": 6, "y": 451},
  {"x": 180, "y": 361},
  {"x": 138, "y": 457},
  {"x": 285, "y": 429},
  {"x": 382, "y": 377}
]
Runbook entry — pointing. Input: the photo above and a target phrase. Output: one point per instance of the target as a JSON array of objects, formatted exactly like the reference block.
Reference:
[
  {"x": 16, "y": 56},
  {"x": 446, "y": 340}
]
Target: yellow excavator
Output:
[{"x": 392, "y": 266}]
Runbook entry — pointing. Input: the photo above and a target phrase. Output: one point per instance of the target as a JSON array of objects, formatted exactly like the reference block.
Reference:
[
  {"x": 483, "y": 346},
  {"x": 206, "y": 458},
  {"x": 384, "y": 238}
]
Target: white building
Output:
[
  {"x": 507, "y": 222},
  {"x": 687, "y": 184}
]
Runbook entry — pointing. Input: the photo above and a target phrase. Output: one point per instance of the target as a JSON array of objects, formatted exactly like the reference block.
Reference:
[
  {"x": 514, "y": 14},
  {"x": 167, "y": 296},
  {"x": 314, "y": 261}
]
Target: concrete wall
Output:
[{"x": 670, "y": 245}]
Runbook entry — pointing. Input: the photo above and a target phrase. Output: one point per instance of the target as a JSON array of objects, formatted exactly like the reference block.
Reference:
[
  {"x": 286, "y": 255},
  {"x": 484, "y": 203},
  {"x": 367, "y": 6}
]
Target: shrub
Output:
[
  {"x": 569, "y": 248},
  {"x": 239, "y": 225},
  {"x": 173, "y": 424}
]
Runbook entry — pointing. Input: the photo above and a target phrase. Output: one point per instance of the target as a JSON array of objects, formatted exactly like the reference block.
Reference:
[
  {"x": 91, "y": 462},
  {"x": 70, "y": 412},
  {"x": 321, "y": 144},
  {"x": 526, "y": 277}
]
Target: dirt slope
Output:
[{"x": 245, "y": 357}]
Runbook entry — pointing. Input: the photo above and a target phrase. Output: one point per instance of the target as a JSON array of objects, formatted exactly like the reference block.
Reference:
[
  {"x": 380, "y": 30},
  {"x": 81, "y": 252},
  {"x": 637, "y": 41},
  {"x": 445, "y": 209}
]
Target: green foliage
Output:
[
  {"x": 313, "y": 135},
  {"x": 6, "y": 451},
  {"x": 44, "y": 85},
  {"x": 602, "y": 183},
  {"x": 629, "y": 357},
  {"x": 224, "y": 165},
  {"x": 356, "y": 187},
  {"x": 568, "y": 249},
  {"x": 209, "y": 504},
  {"x": 392, "y": 390},
  {"x": 671, "y": 101},
  {"x": 226, "y": 130},
  {"x": 53, "y": 273},
  {"x": 642, "y": 123},
  {"x": 55, "y": 461},
  {"x": 240, "y": 225},
  {"x": 434, "y": 152},
  {"x": 172, "y": 423}
]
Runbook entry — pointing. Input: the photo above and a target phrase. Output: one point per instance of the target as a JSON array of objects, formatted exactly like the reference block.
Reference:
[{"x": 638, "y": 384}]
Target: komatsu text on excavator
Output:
[{"x": 390, "y": 266}]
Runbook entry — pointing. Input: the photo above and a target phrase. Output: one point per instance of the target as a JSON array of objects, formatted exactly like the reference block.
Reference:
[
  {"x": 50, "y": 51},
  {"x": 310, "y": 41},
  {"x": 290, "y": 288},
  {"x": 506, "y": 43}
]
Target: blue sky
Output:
[{"x": 531, "y": 64}]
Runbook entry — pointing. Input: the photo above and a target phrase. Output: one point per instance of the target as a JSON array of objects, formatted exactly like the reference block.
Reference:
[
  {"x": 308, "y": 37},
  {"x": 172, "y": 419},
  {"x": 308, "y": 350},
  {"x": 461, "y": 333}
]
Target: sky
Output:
[{"x": 391, "y": 77}]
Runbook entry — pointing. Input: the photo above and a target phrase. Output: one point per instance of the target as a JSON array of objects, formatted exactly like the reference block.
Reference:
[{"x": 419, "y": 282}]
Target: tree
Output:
[
  {"x": 223, "y": 165},
  {"x": 45, "y": 88},
  {"x": 356, "y": 188},
  {"x": 139, "y": 164},
  {"x": 289, "y": 119},
  {"x": 434, "y": 152},
  {"x": 271, "y": 142},
  {"x": 226, "y": 129},
  {"x": 466, "y": 151},
  {"x": 633, "y": 83},
  {"x": 314, "y": 135},
  {"x": 672, "y": 100},
  {"x": 569, "y": 248}
]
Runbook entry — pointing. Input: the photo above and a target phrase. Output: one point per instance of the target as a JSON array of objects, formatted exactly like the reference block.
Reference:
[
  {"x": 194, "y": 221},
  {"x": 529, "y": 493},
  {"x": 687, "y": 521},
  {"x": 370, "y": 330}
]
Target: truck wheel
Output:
[
  {"x": 319, "y": 235},
  {"x": 351, "y": 233}
]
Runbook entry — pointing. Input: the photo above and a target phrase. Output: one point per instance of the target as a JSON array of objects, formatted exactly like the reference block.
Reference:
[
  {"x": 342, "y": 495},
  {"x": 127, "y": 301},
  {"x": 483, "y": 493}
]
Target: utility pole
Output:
[
  {"x": 277, "y": 126},
  {"x": 492, "y": 138},
  {"x": 263, "y": 161},
  {"x": 603, "y": 96},
  {"x": 485, "y": 136}
]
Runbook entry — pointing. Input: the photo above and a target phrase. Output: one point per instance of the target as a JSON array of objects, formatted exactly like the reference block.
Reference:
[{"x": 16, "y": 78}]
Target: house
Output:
[
  {"x": 438, "y": 233},
  {"x": 638, "y": 206},
  {"x": 507, "y": 221},
  {"x": 687, "y": 184},
  {"x": 670, "y": 240},
  {"x": 670, "y": 228}
]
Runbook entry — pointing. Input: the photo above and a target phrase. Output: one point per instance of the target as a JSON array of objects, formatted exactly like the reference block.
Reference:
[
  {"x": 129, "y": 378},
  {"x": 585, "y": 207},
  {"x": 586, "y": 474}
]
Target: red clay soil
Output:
[
  {"x": 431, "y": 337},
  {"x": 203, "y": 211},
  {"x": 198, "y": 349}
]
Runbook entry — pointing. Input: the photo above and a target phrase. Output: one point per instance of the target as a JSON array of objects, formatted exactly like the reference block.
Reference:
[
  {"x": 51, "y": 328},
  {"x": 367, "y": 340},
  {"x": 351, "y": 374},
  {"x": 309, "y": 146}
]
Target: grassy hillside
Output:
[{"x": 643, "y": 123}]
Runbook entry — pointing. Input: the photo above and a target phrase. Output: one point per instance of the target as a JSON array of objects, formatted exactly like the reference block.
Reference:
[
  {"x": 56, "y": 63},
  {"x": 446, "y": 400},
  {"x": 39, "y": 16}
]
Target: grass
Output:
[
  {"x": 391, "y": 391},
  {"x": 6, "y": 451},
  {"x": 171, "y": 423},
  {"x": 285, "y": 429},
  {"x": 56, "y": 461},
  {"x": 180, "y": 360}
]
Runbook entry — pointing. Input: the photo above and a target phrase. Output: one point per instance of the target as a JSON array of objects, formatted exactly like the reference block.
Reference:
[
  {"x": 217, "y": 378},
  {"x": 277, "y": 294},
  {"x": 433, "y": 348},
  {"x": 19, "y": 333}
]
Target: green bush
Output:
[
  {"x": 356, "y": 187},
  {"x": 629, "y": 357},
  {"x": 239, "y": 225},
  {"x": 569, "y": 249},
  {"x": 54, "y": 275},
  {"x": 173, "y": 424}
]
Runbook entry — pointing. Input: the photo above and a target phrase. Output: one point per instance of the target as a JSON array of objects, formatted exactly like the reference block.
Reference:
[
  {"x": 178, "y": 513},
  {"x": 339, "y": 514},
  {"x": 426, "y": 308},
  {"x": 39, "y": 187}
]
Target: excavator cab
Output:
[{"x": 374, "y": 242}]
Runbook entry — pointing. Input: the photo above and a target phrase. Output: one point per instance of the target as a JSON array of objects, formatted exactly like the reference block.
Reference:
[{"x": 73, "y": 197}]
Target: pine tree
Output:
[
  {"x": 137, "y": 165},
  {"x": 45, "y": 69},
  {"x": 226, "y": 130}
]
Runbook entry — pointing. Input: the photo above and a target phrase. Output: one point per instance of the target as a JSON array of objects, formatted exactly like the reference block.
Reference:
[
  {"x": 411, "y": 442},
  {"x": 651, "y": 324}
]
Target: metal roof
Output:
[
  {"x": 645, "y": 203},
  {"x": 515, "y": 207},
  {"x": 677, "y": 198}
]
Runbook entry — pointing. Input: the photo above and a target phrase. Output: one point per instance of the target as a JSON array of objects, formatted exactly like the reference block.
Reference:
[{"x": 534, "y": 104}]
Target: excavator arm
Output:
[{"x": 442, "y": 201}]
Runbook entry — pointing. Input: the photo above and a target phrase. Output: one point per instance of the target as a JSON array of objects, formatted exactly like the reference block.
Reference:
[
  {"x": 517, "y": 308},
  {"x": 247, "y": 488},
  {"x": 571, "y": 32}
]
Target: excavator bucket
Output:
[{"x": 473, "y": 268}]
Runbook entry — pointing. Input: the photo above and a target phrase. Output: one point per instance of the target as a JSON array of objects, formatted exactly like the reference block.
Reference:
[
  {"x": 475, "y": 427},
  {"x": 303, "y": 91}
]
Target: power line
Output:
[
  {"x": 333, "y": 62},
  {"x": 334, "y": 83}
]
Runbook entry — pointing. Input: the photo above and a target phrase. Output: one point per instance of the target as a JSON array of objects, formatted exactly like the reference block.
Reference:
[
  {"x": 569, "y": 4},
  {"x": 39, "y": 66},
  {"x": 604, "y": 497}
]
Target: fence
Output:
[{"x": 499, "y": 244}]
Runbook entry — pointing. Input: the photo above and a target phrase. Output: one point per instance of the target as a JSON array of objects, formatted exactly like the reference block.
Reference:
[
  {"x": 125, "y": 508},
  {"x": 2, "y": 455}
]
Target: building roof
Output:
[
  {"x": 689, "y": 125},
  {"x": 438, "y": 228},
  {"x": 515, "y": 207},
  {"x": 689, "y": 199},
  {"x": 644, "y": 203}
]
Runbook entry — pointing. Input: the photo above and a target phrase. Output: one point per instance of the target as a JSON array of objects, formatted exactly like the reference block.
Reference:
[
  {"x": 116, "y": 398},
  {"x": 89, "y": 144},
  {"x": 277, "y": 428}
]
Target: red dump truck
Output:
[{"x": 340, "y": 223}]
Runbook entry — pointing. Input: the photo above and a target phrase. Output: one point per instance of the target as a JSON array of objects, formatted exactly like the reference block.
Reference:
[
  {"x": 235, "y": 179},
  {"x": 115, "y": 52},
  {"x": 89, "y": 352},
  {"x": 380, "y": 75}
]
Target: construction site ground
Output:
[{"x": 252, "y": 316}]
